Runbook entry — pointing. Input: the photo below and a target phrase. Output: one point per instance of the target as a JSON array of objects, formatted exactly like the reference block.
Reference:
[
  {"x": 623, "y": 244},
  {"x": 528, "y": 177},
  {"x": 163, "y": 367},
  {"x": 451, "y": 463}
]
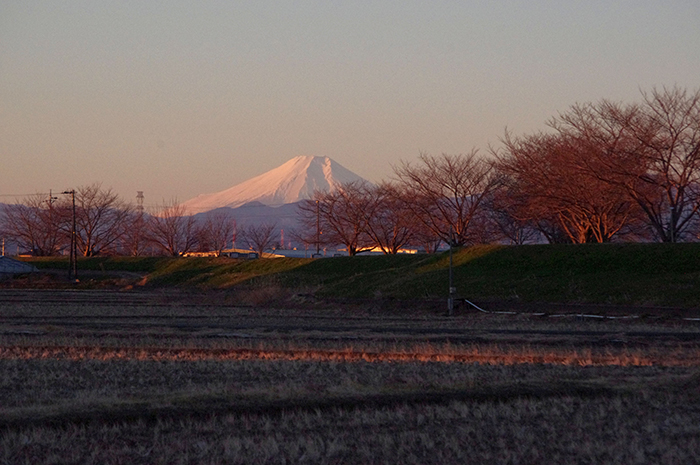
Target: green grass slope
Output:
[{"x": 634, "y": 274}]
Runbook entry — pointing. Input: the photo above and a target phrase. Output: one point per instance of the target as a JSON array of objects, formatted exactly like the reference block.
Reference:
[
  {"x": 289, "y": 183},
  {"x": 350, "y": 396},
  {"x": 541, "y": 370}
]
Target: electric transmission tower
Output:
[{"x": 139, "y": 202}]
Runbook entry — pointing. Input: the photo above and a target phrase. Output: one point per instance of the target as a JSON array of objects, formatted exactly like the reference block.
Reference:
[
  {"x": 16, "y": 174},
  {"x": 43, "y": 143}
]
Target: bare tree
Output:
[
  {"x": 171, "y": 231},
  {"x": 549, "y": 184},
  {"x": 670, "y": 136},
  {"x": 425, "y": 237},
  {"x": 101, "y": 219},
  {"x": 388, "y": 221},
  {"x": 446, "y": 192},
  {"x": 216, "y": 232},
  {"x": 34, "y": 225},
  {"x": 259, "y": 237},
  {"x": 652, "y": 150},
  {"x": 506, "y": 219},
  {"x": 338, "y": 217},
  {"x": 135, "y": 240}
]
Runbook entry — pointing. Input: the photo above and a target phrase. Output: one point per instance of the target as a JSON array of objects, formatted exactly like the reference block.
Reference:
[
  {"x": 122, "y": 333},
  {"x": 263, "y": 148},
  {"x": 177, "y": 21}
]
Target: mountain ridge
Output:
[{"x": 291, "y": 182}]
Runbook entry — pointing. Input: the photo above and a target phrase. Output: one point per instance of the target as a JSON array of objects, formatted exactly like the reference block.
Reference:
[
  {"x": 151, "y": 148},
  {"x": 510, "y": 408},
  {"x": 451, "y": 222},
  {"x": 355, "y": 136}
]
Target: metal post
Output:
[
  {"x": 51, "y": 224},
  {"x": 672, "y": 225},
  {"x": 451, "y": 294},
  {"x": 73, "y": 261},
  {"x": 318, "y": 229}
]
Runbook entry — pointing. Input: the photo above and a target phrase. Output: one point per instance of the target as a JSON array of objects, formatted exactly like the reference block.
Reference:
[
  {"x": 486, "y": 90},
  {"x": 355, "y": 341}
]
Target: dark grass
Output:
[
  {"x": 116, "y": 263},
  {"x": 617, "y": 274},
  {"x": 215, "y": 273}
]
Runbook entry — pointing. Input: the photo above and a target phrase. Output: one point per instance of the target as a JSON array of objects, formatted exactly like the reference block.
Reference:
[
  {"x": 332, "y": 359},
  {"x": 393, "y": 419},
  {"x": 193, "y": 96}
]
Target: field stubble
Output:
[{"x": 155, "y": 379}]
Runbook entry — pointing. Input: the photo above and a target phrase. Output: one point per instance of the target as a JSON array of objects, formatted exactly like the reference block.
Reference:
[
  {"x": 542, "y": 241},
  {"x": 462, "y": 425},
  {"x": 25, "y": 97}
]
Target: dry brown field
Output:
[{"x": 162, "y": 376}]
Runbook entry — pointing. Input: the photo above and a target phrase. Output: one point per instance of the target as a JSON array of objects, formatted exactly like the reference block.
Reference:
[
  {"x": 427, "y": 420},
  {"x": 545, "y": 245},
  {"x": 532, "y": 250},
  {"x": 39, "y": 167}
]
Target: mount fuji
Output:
[{"x": 291, "y": 182}]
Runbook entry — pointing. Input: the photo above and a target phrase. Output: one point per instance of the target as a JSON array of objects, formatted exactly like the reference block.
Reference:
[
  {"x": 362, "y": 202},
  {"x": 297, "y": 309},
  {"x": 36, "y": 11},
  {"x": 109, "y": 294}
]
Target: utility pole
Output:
[
  {"x": 318, "y": 230},
  {"x": 136, "y": 243},
  {"x": 73, "y": 262},
  {"x": 452, "y": 290},
  {"x": 52, "y": 199}
]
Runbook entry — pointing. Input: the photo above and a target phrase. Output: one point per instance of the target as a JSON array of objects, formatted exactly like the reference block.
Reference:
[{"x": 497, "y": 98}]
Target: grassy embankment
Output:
[{"x": 620, "y": 274}]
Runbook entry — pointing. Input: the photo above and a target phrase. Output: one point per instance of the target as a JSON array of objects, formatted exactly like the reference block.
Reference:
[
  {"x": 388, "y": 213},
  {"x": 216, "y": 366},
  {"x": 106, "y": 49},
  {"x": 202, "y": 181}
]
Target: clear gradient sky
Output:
[{"x": 179, "y": 98}]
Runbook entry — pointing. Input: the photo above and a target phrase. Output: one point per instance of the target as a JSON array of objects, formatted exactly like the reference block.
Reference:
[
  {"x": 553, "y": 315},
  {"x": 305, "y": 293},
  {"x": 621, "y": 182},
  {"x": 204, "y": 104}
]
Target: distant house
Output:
[
  {"x": 246, "y": 255},
  {"x": 234, "y": 253},
  {"x": 230, "y": 253},
  {"x": 200, "y": 254}
]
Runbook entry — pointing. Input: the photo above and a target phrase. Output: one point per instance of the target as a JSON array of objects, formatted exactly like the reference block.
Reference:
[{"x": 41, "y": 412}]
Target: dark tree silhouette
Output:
[{"x": 389, "y": 222}]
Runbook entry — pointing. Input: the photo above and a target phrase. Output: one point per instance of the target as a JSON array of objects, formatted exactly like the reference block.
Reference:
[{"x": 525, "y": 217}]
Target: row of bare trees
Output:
[
  {"x": 604, "y": 171},
  {"x": 609, "y": 170},
  {"x": 440, "y": 199},
  {"x": 42, "y": 225}
]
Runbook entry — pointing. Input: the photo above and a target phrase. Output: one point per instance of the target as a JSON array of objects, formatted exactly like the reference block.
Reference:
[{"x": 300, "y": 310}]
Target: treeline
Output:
[
  {"x": 42, "y": 225},
  {"x": 604, "y": 172}
]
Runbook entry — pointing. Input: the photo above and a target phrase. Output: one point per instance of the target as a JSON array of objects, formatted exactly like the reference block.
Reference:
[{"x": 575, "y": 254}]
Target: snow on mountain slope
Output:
[{"x": 291, "y": 182}]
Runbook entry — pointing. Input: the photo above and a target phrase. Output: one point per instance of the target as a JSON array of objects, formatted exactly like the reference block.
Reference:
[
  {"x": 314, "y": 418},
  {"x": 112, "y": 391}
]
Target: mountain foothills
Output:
[{"x": 291, "y": 182}]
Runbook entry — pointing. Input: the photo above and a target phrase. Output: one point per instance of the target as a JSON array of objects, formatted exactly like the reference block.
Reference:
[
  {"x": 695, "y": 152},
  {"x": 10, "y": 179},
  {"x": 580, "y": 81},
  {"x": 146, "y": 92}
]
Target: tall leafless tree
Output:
[
  {"x": 338, "y": 218},
  {"x": 33, "y": 225},
  {"x": 548, "y": 173},
  {"x": 446, "y": 193},
  {"x": 171, "y": 231},
  {"x": 651, "y": 149},
  {"x": 216, "y": 232},
  {"x": 669, "y": 133},
  {"x": 388, "y": 221},
  {"x": 259, "y": 237},
  {"x": 101, "y": 219}
]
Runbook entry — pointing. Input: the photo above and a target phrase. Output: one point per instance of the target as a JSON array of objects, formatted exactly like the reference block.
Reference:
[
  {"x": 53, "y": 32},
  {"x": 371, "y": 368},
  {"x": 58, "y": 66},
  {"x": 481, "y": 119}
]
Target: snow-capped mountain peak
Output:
[{"x": 291, "y": 182}]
